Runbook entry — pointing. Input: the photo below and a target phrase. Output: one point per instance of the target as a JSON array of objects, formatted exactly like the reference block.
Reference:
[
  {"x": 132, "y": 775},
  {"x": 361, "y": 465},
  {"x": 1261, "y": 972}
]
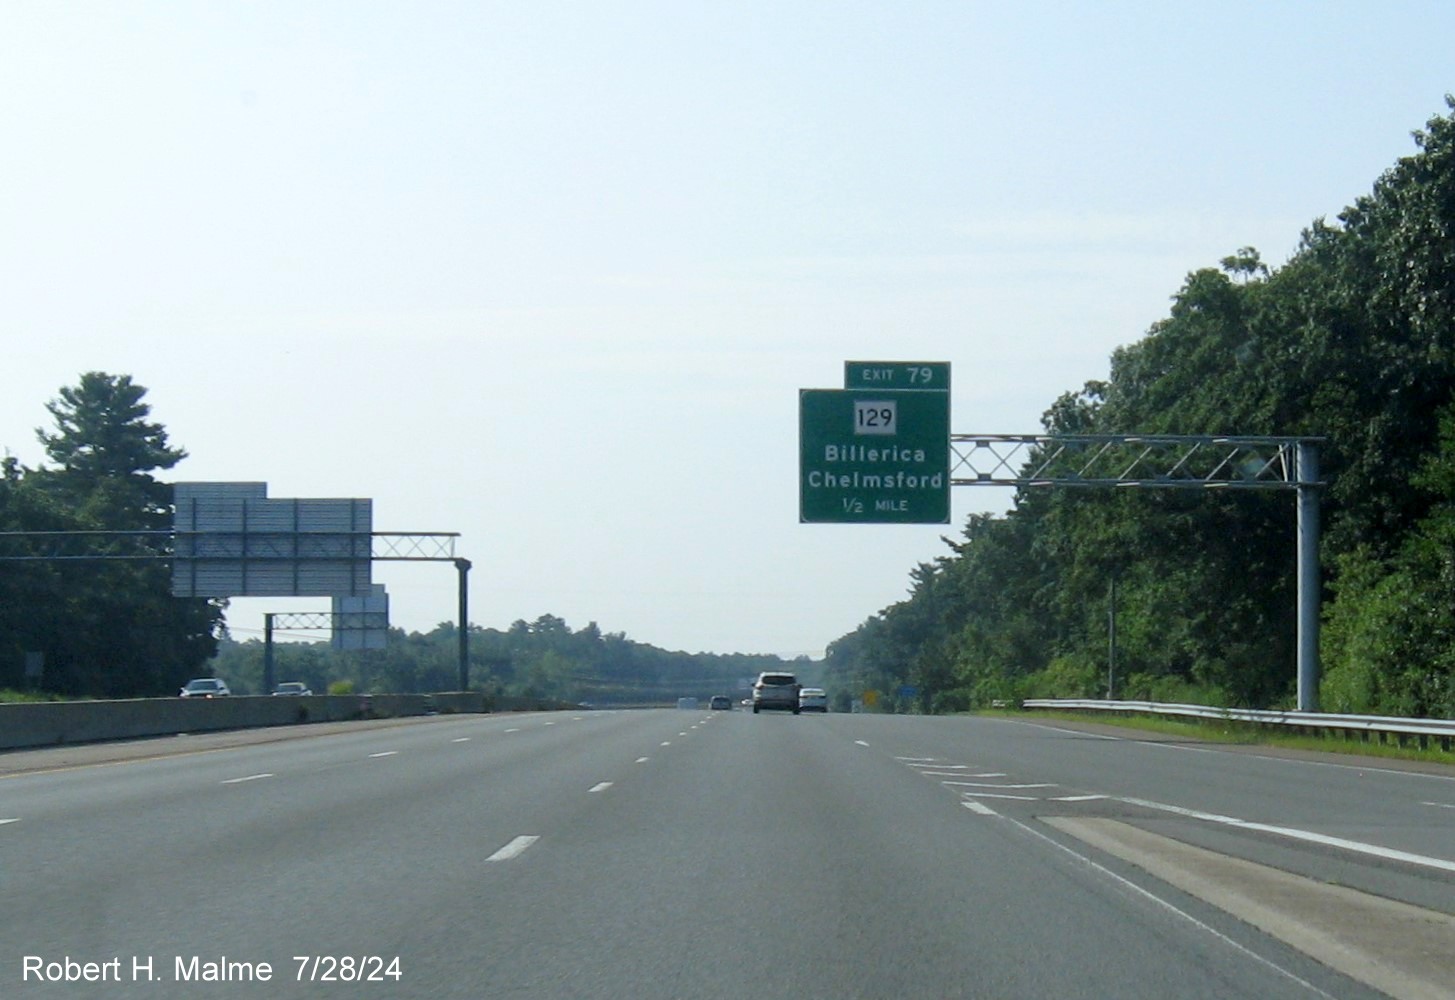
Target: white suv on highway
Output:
[{"x": 775, "y": 689}]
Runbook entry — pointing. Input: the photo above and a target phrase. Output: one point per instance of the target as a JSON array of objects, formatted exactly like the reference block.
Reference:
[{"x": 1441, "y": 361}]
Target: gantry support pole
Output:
[
  {"x": 1309, "y": 588},
  {"x": 463, "y": 565}
]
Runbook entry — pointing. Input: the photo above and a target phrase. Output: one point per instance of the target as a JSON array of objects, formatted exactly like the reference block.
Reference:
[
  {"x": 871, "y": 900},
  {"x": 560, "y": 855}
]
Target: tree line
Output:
[
  {"x": 544, "y": 659},
  {"x": 1353, "y": 341},
  {"x": 109, "y": 627}
]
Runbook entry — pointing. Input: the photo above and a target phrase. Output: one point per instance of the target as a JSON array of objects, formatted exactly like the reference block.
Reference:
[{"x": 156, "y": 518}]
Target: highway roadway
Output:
[{"x": 688, "y": 854}]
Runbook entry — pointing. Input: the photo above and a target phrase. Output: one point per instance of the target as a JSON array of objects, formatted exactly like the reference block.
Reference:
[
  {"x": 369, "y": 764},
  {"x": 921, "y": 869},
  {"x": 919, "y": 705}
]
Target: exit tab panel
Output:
[{"x": 931, "y": 376}]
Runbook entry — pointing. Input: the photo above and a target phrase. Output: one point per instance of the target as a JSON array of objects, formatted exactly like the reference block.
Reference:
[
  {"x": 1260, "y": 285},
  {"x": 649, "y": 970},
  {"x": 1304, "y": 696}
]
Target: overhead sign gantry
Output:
[{"x": 880, "y": 452}]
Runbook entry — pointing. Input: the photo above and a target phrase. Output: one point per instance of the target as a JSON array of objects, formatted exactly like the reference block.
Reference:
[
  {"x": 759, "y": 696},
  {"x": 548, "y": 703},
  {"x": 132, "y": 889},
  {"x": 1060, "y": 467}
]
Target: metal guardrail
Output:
[{"x": 1382, "y": 725}]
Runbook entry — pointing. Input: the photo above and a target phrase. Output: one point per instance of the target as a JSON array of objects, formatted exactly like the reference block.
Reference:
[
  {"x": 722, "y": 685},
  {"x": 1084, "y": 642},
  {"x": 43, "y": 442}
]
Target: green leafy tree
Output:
[{"x": 113, "y": 629}]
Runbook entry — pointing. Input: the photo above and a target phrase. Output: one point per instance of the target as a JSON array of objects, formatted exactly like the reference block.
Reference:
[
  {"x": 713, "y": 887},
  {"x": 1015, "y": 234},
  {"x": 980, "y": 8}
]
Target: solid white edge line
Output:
[
  {"x": 1374, "y": 850},
  {"x": 514, "y": 849},
  {"x": 1153, "y": 897},
  {"x": 1078, "y": 732},
  {"x": 251, "y": 777},
  {"x": 980, "y": 807}
]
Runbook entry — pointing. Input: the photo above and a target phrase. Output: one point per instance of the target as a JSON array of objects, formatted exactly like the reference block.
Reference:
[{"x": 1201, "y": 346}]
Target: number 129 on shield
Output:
[{"x": 875, "y": 417}]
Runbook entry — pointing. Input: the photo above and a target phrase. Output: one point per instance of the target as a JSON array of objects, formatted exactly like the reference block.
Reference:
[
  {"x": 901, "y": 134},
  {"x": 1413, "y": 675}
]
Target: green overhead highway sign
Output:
[{"x": 874, "y": 456}]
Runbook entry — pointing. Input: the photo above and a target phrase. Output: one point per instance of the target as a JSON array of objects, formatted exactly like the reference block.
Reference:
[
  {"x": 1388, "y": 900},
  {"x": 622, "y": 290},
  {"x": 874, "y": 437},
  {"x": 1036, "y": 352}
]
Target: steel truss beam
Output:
[
  {"x": 384, "y": 546},
  {"x": 1128, "y": 460}
]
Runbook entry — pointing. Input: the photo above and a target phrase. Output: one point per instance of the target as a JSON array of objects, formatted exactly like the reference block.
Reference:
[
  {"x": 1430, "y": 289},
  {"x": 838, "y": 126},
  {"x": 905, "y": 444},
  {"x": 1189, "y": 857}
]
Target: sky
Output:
[{"x": 552, "y": 274}]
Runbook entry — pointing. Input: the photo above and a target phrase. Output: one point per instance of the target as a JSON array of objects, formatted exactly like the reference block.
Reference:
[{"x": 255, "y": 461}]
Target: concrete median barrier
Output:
[{"x": 61, "y": 722}]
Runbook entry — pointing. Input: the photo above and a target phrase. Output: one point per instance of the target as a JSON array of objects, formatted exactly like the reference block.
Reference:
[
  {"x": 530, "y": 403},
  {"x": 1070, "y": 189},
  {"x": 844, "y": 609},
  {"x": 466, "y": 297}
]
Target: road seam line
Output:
[{"x": 1153, "y": 897}]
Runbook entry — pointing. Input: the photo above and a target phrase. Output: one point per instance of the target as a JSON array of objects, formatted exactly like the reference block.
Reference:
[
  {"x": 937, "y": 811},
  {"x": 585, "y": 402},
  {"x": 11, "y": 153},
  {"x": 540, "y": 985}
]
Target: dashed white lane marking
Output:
[
  {"x": 665, "y": 743},
  {"x": 515, "y": 730},
  {"x": 384, "y": 753},
  {"x": 4, "y": 821},
  {"x": 961, "y": 774},
  {"x": 861, "y": 743},
  {"x": 1076, "y": 798},
  {"x": 980, "y": 807},
  {"x": 550, "y": 723},
  {"x": 643, "y": 760},
  {"x": 601, "y": 786},
  {"x": 993, "y": 795},
  {"x": 1374, "y": 850},
  {"x": 251, "y": 777},
  {"x": 1439, "y": 805},
  {"x": 460, "y": 739},
  {"x": 942, "y": 767},
  {"x": 514, "y": 849},
  {"x": 988, "y": 784}
]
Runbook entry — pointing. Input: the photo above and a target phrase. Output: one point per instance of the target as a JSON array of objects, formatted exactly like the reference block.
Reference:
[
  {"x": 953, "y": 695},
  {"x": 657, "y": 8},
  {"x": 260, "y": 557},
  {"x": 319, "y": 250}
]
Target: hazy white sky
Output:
[{"x": 552, "y": 274}]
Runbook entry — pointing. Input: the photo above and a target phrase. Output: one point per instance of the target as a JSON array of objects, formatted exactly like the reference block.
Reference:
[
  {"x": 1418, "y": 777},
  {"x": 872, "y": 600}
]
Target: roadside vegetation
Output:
[
  {"x": 1352, "y": 340},
  {"x": 541, "y": 660}
]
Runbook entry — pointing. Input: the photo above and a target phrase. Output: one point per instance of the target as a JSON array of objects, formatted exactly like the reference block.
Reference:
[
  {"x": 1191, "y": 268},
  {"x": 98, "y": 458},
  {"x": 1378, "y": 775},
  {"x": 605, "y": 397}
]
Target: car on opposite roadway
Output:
[
  {"x": 292, "y": 688},
  {"x": 205, "y": 687},
  {"x": 813, "y": 700},
  {"x": 720, "y": 703},
  {"x": 775, "y": 689}
]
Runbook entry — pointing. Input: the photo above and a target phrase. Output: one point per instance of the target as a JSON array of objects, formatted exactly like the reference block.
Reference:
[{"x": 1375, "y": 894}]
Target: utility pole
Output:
[{"x": 1111, "y": 639}]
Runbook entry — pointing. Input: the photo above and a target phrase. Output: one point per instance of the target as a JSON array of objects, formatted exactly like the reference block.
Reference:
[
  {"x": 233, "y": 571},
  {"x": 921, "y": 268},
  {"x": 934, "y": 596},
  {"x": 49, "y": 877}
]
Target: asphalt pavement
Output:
[{"x": 685, "y": 854}]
